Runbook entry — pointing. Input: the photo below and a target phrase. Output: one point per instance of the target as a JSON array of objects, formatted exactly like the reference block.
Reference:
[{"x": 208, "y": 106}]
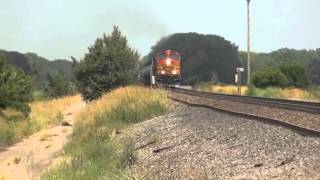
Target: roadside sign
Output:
[{"x": 240, "y": 69}]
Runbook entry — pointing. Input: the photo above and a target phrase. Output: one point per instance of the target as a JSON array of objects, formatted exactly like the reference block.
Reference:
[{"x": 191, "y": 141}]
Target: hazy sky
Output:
[{"x": 64, "y": 28}]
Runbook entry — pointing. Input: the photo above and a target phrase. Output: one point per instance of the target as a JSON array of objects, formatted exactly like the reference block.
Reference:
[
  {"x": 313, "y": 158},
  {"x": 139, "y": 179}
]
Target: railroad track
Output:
[{"x": 302, "y": 116}]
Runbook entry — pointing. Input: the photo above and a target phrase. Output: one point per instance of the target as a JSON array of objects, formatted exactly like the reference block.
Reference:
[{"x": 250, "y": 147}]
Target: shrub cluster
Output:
[
  {"x": 16, "y": 88},
  {"x": 59, "y": 86},
  {"x": 296, "y": 75},
  {"x": 288, "y": 75},
  {"x": 270, "y": 92}
]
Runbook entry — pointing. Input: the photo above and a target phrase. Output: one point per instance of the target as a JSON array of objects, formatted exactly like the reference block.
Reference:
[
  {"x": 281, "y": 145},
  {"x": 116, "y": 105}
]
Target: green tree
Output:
[
  {"x": 314, "y": 69},
  {"x": 309, "y": 58},
  {"x": 16, "y": 88},
  {"x": 296, "y": 74},
  {"x": 59, "y": 85},
  {"x": 110, "y": 63},
  {"x": 270, "y": 76}
]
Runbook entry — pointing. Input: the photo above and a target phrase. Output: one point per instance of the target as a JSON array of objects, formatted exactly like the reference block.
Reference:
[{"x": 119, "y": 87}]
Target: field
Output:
[
  {"x": 14, "y": 126},
  {"x": 310, "y": 94},
  {"x": 97, "y": 149}
]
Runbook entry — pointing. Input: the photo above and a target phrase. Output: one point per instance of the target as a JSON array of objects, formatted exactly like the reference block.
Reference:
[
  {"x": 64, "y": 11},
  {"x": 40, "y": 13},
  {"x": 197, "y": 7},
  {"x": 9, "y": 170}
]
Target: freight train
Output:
[{"x": 166, "y": 68}]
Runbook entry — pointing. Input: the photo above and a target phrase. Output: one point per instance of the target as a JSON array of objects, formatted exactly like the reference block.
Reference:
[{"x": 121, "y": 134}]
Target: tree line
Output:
[
  {"x": 309, "y": 60},
  {"x": 111, "y": 62}
]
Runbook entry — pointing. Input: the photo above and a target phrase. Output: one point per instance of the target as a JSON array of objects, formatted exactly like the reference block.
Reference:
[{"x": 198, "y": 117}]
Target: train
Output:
[{"x": 166, "y": 68}]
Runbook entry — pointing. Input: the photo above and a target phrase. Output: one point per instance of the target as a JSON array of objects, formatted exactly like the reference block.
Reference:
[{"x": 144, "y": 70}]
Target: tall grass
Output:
[
  {"x": 314, "y": 93},
  {"x": 94, "y": 152},
  {"x": 309, "y": 94},
  {"x": 14, "y": 125},
  {"x": 270, "y": 92},
  {"x": 221, "y": 88}
]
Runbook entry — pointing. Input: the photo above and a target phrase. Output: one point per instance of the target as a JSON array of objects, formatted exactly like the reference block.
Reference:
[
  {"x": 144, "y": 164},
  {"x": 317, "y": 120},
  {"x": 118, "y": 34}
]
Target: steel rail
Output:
[
  {"x": 304, "y": 106},
  {"x": 299, "y": 129}
]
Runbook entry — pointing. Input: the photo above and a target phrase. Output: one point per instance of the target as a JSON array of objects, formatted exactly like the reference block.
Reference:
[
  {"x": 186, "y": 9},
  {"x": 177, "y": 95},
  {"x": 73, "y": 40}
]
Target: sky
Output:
[{"x": 58, "y": 29}]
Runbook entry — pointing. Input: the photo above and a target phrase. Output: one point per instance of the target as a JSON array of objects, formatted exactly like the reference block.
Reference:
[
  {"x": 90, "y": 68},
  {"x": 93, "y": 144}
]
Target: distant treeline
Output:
[
  {"x": 38, "y": 66},
  {"x": 205, "y": 58},
  {"x": 308, "y": 58}
]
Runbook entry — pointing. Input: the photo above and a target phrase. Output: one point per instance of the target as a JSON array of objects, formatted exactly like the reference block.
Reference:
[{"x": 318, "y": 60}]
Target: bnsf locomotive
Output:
[{"x": 166, "y": 67}]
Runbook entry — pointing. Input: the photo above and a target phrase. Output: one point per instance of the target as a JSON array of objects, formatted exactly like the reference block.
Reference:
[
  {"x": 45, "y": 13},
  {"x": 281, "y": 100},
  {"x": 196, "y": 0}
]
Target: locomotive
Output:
[{"x": 166, "y": 67}]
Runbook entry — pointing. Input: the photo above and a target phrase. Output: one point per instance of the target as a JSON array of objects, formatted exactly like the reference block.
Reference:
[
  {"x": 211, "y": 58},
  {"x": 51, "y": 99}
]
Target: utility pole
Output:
[{"x": 248, "y": 43}]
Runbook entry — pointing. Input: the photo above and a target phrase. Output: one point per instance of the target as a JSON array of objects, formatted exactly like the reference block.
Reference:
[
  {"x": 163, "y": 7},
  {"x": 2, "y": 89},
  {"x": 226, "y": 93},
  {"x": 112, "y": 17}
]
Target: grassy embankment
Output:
[
  {"x": 95, "y": 152},
  {"x": 309, "y": 94},
  {"x": 46, "y": 113}
]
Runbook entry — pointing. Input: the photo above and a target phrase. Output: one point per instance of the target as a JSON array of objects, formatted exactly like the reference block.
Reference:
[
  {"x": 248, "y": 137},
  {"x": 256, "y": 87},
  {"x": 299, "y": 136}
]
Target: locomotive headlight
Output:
[
  {"x": 162, "y": 72},
  {"x": 168, "y": 62},
  {"x": 174, "y": 72}
]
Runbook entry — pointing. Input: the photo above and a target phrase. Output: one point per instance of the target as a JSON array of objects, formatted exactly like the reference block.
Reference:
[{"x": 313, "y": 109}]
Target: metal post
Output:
[
  {"x": 151, "y": 83},
  {"x": 238, "y": 79},
  {"x": 240, "y": 83},
  {"x": 248, "y": 42},
  {"x": 238, "y": 88},
  {"x": 151, "y": 74}
]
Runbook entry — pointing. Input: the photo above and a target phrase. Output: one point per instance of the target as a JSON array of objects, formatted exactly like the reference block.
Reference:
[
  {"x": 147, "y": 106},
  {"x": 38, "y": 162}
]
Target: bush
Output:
[
  {"x": 110, "y": 63},
  {"x": 271, "y": 76},
  {"x": 16, "y": 88},
  {"x": 270, "y": 92},
  {"x": 59, "y": 86},
  {"x": 251, "y": 91},
  {"x": 7, "y": 135},
  {"x": 296, "y": 75}
]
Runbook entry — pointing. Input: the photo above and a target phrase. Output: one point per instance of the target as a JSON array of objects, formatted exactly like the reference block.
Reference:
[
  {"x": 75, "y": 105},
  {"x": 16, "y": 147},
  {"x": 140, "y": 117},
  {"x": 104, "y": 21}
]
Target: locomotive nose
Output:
[{"x": 168, "y": 62}]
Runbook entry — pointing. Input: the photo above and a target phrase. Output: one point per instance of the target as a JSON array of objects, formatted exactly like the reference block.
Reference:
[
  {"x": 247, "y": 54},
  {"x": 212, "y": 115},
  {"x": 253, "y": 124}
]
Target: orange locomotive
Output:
[{"x": 166, "y": 67}]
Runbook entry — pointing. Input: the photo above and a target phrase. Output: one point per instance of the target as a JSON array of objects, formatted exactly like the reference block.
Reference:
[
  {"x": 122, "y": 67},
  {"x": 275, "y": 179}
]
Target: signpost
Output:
[
  {"x": 238, "y": 79},
  {"x": 152, "y": 76}
]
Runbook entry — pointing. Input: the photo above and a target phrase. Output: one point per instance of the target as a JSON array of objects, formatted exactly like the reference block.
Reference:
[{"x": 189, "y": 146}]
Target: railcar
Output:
[{"x": 166, "y": 67}]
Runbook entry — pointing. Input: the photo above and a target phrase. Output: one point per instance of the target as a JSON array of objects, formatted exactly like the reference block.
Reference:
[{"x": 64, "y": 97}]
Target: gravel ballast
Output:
[
  {"x": 303, "y": 119},
  {"x": 198, "y": 143}
]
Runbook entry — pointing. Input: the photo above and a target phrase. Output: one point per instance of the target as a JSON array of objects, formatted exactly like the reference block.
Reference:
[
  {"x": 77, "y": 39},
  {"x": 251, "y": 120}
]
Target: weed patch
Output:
[
  {"x": 95, "y": 150},
  {"x": 14, "y": 125},
  {"x": 270, "y": 92}
]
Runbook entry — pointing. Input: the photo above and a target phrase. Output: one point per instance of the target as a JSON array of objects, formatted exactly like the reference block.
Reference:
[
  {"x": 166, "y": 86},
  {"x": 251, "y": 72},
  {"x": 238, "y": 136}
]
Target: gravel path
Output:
[
  {"x": 304, "y": 119},
  {"x": 196, "y": 143}
]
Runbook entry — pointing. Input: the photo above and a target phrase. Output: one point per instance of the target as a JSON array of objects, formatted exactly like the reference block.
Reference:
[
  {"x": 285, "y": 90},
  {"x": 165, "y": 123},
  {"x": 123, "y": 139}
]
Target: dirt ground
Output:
[{"x": 33, "y": 155}]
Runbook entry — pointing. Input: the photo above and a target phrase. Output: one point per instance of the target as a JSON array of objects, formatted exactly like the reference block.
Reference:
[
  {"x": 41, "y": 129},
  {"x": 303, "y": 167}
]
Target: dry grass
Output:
[
  {"x": 96, "y": 152},
  {"x": 227, "y": 89},
  {"x": 109, "y": 100},
  {"x": 2, "y": 177},
  {"x": 288, "y": 93},
  {"x": 295, "y": 93},
  {"x": 44, "y": 114}
]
